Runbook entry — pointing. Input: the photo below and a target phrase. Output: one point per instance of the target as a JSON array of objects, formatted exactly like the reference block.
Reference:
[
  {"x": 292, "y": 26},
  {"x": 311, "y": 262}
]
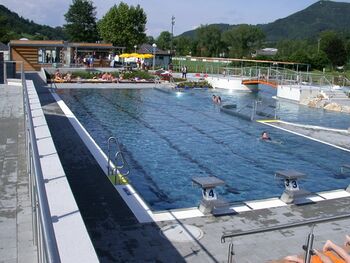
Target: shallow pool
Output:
[{"x": 170, "y": 137}]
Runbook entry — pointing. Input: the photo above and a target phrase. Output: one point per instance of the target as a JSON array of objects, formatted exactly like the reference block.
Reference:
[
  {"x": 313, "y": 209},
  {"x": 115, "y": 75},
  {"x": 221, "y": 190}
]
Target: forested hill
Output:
[
  {"x": 308, "y": 23},
  {"x": 192, "y": 33},
  {"x": 15, "y": 27}
]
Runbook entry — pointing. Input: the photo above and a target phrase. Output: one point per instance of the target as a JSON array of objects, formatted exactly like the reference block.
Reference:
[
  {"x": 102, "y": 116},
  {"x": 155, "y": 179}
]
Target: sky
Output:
[{"x": 189, "y": 14}]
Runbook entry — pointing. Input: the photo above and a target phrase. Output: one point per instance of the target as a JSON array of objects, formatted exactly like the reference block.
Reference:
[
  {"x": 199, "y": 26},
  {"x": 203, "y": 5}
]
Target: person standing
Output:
[{"x": 185, "y": 71}]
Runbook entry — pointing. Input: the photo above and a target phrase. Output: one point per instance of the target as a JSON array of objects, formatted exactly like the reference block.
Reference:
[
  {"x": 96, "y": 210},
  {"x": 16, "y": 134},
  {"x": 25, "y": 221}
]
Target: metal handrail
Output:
[
  {"x": 112, "y": 166},
  {"x": 46, "y": 232},
  {"x": 285, "y": 226},
  {"x": 309, "y": 245},
  {"x": 124, "y": 163}
]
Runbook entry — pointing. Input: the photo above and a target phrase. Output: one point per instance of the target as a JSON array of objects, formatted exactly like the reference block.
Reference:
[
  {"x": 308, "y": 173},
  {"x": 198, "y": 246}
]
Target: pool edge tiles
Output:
[{"x": 334, "y": 194}]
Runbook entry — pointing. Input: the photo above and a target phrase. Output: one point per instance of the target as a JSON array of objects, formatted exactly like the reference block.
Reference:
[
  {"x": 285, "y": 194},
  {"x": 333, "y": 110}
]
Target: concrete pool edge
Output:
[
  {"x": 142, "y": 211},
  {"x": 62, "y": 204}
]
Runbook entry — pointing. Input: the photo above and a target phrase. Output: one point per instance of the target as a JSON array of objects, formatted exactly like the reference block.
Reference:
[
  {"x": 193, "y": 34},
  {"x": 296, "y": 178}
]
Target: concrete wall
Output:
[
  {"x": 297, "y": 92},
  {"x": 227, "y": 83}
]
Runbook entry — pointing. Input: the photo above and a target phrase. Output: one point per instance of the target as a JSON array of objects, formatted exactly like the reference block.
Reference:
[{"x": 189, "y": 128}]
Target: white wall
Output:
[
  {"x": 227, "y": 83},
  {"x": 297, "y": 92}
]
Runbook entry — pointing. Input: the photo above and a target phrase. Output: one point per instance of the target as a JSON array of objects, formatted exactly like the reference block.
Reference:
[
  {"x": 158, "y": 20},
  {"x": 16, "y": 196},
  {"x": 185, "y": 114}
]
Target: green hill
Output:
[
  {"x": 192, "y": 33},
  {"x": 14, "y": 26},
  {"x": 308, "y": 23}
]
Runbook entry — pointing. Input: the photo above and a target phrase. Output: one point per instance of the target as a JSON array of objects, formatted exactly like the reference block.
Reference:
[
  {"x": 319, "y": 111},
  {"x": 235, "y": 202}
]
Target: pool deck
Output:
[
  {"x": 118, "y": 236},
  {"x": 16, "y": 235}
]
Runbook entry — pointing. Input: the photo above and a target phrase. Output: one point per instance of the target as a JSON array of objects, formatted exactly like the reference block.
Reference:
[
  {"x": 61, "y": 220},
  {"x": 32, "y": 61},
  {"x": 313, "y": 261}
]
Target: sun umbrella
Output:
[
  {"x": 145, "y": 56},
  {"x": 133, "y": 55},
  {"x": 125, "y": 55}
]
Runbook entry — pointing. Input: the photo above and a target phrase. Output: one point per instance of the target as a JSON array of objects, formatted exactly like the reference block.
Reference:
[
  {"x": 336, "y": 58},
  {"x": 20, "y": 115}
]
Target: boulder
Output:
[
  {"x": 316, "y": 103},
  {"x": 346, "y": 109},
  {"x": 333, "y": 107}
]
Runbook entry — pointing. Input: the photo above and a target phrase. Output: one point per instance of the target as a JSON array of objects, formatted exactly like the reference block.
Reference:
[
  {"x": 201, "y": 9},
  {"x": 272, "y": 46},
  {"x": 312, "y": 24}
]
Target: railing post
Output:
[{"x": 5, "y": 72}]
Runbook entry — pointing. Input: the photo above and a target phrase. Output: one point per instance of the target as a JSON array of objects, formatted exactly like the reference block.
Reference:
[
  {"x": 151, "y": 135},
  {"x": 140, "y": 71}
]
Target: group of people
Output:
[
  {"x": 107, "y": 76},
  {"x": 88, "y": 61},
  {"x": 216, "y": 99},
  {"x": 59, "y": 77},
  {"x": 331, "y": 253}
]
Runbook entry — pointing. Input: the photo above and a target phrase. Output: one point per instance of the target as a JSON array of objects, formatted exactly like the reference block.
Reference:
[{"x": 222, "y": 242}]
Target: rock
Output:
[
  {"x": 346, "y": 109},
  {"x": 333, "y": 107},
  {"x": 316, "y": 103}
]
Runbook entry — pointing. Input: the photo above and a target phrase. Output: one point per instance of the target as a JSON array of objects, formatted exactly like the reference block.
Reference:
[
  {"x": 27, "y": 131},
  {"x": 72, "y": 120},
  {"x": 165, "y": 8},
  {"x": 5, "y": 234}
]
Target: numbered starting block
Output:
[
  {"x": 209, "y": 197},
  {"x": 292, "y": 190}
]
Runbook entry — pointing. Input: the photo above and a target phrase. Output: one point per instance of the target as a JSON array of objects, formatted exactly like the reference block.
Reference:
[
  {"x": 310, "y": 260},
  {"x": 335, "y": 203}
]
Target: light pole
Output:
[
  {"x": 135, "y": 48},
  {"x": 172, "y": 33},
  {"x": 154, "y": 54}
]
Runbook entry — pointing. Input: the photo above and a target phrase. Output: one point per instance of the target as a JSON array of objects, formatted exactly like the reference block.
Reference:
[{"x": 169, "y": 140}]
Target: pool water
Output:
[{"x": 170, "y": 137}]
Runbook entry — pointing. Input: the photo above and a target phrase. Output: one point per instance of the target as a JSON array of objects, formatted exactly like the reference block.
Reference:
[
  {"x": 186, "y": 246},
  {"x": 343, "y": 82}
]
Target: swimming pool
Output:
[{"x": 168, "y": 138}]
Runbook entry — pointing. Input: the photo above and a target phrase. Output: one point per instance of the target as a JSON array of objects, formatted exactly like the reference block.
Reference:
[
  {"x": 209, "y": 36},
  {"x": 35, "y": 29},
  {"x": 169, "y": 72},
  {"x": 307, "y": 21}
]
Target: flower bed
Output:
[
  {"x": 193, "y": 84},
  {"x": 101, "y": 77}
]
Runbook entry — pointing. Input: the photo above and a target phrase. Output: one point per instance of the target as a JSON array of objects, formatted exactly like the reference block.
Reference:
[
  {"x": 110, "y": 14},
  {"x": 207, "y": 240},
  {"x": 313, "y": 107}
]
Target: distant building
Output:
[
  {"x": 265, "y": 52},
  {"x": 162, "y": 58},
  {"x": 36, "y": 54},
  {"x": 4, "y": 49}
]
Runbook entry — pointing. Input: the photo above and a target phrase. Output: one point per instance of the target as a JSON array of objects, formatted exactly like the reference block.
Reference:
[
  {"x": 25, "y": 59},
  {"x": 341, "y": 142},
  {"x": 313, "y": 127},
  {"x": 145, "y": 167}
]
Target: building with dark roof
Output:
[
  {"x": 4, "y": 49},
  {"x": 162, "y": 58}
]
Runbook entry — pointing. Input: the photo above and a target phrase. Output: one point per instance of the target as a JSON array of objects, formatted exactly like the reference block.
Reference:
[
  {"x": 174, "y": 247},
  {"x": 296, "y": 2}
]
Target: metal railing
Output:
[
  {"x": 44, "y": 235},
  {"x": 310, "y": 222},
  {"x": 119, "y": 167}
]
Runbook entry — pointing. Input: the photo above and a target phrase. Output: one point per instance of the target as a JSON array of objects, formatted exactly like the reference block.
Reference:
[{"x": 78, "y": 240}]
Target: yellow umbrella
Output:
[
  {"x": 142, "y": 56},
  {"x": 148, "y": 55},
  {"x": 125, "y": 55},
  {"x": 133, "y": 55}
]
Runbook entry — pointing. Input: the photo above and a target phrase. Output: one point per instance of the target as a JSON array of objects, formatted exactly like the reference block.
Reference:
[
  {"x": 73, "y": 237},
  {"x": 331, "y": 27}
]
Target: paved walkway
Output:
[{"x": 16, "y": 237}]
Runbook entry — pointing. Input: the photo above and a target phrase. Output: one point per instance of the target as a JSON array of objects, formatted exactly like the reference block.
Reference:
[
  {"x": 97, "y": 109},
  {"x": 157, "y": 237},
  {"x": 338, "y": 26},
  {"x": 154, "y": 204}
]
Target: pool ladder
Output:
[{"x": 117, "y": 168}]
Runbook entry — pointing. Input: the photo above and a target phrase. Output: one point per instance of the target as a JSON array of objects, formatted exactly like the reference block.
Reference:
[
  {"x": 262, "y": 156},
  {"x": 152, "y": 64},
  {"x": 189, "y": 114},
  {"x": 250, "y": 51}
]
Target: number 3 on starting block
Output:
[{"x": 291, "y": 184}]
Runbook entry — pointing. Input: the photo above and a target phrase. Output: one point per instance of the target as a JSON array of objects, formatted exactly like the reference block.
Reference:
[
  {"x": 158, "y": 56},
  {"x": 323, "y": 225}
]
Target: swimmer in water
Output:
[{"x": 265, "y": 136}]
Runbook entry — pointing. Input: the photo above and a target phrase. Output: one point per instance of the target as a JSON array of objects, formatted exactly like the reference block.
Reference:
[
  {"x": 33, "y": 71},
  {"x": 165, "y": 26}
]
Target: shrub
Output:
[{"x": 194, "y": 84}]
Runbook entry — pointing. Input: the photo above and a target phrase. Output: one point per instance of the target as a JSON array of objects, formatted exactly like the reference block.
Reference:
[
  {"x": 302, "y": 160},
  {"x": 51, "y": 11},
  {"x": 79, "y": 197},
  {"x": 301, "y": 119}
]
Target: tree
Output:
[
  {"x": 150, "y": 40},
  {"x": 319, "y": 60},
  {"x": 164, "y": 40},
  {"x": 124, "y": 26},
  {"x": 334, "y": 48},
  {"x": 209, "y": 40},
  {"x": 243, "y": 40},
  {"x": 183, "y": 46},
  {"x": 81, "y": 21},
  {"x": 294, "y": 50}
]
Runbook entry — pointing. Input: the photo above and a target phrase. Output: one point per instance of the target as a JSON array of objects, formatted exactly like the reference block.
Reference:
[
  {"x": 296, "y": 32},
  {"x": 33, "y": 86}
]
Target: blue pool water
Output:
[{"x": 168, "y": 138}]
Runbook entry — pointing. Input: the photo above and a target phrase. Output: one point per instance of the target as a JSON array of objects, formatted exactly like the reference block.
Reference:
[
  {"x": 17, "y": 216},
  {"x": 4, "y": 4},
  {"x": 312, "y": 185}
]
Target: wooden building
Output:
[{"x": 57, "y": 53}]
